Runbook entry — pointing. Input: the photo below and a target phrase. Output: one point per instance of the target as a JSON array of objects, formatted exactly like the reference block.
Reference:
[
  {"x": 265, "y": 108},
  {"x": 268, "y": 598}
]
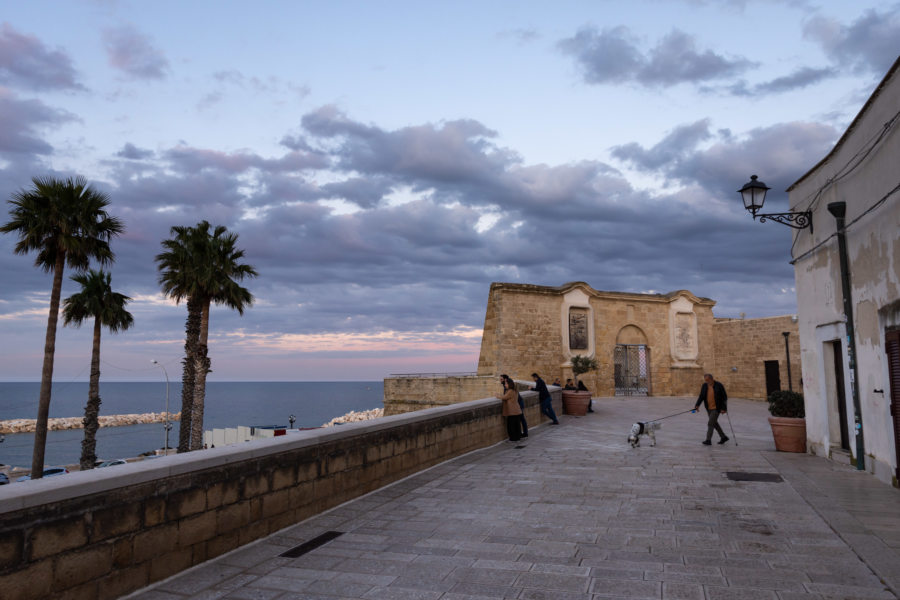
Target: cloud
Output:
[
  {"x": 614, "y": 56},
  {"x": 132, "y": 152},
  {"x": 799, "y": 79},
  {"x": 521, "y": 35},
  {"x": 868, "y": 44},
  {"x": 133, "y": 53},
  {"x": 26, "y": 63},
  {"x": 780, "y": 154},
  {"x": 20, "y": 122}
]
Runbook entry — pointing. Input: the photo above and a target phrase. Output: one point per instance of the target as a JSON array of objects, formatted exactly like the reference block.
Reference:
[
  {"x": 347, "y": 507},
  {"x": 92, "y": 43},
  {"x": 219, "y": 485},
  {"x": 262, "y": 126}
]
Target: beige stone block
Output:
[
  {"x": 170, "y": 563},
  {"x": 11, "y": 548},
  {"x": 222, "y": 543},
  {"x": 85, "y": 591},
  {"x": 276, "y": 503},
  {"x": 284, "y": 477},
  {"x": 56, "y": 537},
  {"x": 197, "y": 528},
  {"x": 255, "y": 484},
  {"x": 182, "y": 504},
  {"x": 154, "y": 511},
  {"x": 123, "y": 581},
  {"x": 74, "y": 568},
  {"x": 31, "y": 583},
  {"x": 122, "y": 552},
  {"x": 154, "y": 542},
  {"x": 115, "y": 521}
]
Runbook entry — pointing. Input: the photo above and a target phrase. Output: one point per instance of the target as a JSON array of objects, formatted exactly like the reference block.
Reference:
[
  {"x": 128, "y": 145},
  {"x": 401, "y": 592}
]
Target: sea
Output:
[{"x": 228, "y": 404}]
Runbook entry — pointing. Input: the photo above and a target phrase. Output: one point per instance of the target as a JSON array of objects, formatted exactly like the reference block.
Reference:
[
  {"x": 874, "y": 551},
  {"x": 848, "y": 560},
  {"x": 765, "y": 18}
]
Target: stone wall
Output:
[
  {"x": 105, "y": 533},
  {"x": 742, "y": 346},
  {"x": 406, "y": 394}
]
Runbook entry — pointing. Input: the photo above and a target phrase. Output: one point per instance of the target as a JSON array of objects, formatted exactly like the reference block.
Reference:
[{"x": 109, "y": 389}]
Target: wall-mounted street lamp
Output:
[{"x": 754, "y": 195}]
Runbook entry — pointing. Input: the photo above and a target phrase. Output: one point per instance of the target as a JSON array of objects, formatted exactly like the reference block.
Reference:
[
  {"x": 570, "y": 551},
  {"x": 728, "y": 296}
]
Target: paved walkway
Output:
[{"x": 576, "y": 514}]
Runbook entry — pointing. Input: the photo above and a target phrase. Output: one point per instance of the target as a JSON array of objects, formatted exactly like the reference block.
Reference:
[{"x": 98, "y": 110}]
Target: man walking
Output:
[
  {"x": 713, "y": 395},
  {"x": 544, "y": 396}
]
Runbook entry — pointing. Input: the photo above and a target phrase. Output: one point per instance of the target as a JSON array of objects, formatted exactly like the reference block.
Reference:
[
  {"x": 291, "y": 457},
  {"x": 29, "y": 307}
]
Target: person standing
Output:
[
  {"x": 510, "y": 409},
  {"x": 544, "y": 396},
  {"x": 715, "y": 399}
]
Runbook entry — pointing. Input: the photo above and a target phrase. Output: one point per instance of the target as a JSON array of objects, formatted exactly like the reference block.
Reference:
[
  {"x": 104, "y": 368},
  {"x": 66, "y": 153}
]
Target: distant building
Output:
[
  {"x": 645, "y": 344},
  {"x": 863, "y": 173}
]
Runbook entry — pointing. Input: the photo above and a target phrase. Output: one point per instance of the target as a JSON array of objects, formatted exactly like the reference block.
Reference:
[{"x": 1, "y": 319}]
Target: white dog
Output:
[{"x": 638, "y": 429}]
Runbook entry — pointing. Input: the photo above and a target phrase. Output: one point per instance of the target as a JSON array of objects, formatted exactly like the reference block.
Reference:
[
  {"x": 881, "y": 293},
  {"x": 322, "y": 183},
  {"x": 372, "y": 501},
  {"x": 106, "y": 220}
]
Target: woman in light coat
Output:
[{"x": 511, "y": 411}]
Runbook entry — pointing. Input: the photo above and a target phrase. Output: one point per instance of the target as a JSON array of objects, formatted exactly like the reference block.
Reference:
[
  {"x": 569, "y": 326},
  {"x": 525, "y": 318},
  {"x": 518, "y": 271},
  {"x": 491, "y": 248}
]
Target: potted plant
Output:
[
  {"x": 576, "y": 402},
  {"x": 787, "y": 421}
]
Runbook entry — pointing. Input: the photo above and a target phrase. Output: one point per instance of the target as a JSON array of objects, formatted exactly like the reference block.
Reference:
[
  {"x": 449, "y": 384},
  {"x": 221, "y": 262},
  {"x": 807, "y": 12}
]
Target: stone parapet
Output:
[
  {"x": 107, "y": 532},
  {"x": 404, "y": 394}
]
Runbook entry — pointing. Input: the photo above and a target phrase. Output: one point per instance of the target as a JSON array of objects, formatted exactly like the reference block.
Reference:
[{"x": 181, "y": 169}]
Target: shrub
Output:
[
  {"x": 583, "y": 364},
  {"x": 787, "y": 404}
]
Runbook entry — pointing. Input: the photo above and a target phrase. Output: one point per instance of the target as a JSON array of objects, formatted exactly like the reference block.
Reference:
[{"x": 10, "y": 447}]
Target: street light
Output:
[
  {"x": 166, "y": 373},
  {"x": 754, "y": 196},
  {"x": 787, "y": 352}
]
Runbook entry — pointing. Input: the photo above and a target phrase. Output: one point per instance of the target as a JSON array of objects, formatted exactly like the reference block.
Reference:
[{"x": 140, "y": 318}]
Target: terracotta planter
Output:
[
  {"x": 789, "y": 434},
  {"x": 575, "y": 402}
]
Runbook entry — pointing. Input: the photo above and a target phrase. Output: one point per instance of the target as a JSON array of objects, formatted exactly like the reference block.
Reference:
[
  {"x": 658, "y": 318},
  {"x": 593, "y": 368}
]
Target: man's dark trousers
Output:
[{"x": 714, "y": 425}]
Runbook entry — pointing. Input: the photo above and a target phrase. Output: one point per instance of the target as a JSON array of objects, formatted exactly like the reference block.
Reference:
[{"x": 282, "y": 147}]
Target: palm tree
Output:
[
  {"x": 96, "y": 299},
  {"x": 202, "y": 268},
  {"x": 66, "y": 223}
]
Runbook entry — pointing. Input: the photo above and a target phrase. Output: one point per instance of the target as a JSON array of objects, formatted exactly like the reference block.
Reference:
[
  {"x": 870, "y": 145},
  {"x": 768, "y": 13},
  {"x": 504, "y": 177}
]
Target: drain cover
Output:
[
  {"x": 311, "y": 544},
  {"x": 743, "y": 476}
]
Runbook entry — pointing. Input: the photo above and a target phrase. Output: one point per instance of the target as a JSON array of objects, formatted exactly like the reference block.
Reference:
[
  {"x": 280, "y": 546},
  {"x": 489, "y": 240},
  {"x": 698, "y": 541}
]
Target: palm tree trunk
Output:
[
  {"x": 192, "y": 334},
  {"x": 92, "y": 410},
  {"x": 40, "y": 427},
  {"x": 201, "y": 368}
]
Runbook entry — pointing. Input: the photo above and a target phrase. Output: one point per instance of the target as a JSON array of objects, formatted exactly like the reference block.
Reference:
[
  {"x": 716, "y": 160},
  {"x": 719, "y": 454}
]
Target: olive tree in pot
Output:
[
  {"x": 576, "y": 402},
  {"x": 787, "y": 421}
]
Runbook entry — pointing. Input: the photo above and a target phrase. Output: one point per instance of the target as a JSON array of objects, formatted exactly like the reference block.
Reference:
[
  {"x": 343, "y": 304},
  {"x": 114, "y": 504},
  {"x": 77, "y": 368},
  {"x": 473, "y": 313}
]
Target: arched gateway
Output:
[{"x": 631, "y": 362}]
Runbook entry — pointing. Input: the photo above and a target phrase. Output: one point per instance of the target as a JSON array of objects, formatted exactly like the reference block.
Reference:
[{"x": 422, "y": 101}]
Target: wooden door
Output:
[
  {"x": 892, "y": 349},
  {"x": 839, "y": 393}
]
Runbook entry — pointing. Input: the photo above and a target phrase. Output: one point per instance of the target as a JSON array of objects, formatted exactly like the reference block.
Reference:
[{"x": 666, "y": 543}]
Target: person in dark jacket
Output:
[
  {"x": 544, "y": 396},
  {"x": 583, "y": 388},
  {"x": 715, "y": 399}
]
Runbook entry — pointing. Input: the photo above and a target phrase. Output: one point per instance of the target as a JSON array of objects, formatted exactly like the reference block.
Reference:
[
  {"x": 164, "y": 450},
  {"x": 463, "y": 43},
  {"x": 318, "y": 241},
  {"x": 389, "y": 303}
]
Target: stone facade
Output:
[
  {"x": 529, "y": 328},
  {"x": 742, "y": 348},
  {"x": 416, "y": 393},
  {"x": 653, "y": 344}
]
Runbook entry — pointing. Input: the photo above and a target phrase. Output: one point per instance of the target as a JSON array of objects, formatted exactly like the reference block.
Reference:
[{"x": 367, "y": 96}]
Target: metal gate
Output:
[{"x": 632, "y": 370}]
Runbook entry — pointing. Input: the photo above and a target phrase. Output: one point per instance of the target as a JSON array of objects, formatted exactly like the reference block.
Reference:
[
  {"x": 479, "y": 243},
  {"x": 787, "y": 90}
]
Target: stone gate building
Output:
[{"x": 645, "y": 344}]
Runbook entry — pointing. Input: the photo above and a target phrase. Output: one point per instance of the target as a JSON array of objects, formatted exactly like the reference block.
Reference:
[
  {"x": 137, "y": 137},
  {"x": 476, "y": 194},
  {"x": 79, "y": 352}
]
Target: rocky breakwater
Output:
[
  {"x": 27, "y": 425},
  {"x": 354, "y": 416}
]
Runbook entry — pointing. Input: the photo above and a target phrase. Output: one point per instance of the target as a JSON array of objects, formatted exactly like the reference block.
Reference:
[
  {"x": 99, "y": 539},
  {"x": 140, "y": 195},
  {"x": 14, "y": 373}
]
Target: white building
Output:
[{"x": 863, "y": 172}]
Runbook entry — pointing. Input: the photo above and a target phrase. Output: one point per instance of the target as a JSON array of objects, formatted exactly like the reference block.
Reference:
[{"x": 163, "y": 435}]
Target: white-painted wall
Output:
[{"x": 874, "y": 255}]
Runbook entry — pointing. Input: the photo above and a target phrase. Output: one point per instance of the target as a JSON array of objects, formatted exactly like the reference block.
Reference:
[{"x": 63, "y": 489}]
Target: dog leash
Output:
[{"x": 670, "y": 416}]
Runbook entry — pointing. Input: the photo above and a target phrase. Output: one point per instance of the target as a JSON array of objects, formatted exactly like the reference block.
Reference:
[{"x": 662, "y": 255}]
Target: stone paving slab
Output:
[{"x": 574, "y": 513}]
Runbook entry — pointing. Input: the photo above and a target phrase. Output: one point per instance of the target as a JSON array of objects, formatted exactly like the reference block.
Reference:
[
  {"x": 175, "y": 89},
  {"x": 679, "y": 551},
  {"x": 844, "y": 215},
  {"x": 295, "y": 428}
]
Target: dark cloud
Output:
[
  {"x": 21, "y": 122},
  {"x": 799, "y": 79},
  {"x": 613, "y": 56},
  {"x": 134, "y": 54},
  {"x": 132, "y": 152},
  {"x": 26, "y": 63},
  {"x": 783, "y": 152},
  {"x": 868, "y": 44}
]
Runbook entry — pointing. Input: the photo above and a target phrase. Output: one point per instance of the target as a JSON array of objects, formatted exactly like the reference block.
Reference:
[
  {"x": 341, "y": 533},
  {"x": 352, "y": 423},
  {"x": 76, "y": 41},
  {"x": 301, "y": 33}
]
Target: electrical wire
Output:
[
  {"x": 851, "y": 165},
  {"x": 880, "y": 201}
]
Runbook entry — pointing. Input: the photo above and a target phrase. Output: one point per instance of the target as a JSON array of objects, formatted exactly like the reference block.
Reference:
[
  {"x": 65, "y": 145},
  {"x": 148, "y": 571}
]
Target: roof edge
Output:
[{"x": 865, "y": 108}]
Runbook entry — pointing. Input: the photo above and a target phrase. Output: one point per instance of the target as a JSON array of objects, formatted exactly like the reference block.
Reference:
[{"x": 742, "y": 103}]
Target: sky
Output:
[{"x": 383, "y": 162}]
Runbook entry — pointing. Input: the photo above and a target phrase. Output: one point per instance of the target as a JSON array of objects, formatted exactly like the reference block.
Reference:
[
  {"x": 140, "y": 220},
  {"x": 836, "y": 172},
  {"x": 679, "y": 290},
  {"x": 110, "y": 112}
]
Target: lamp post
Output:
[
  {"x": 754, "y": 196},
  {"x": 166, "y": 373},
  {"x": 787, "y": 353}
]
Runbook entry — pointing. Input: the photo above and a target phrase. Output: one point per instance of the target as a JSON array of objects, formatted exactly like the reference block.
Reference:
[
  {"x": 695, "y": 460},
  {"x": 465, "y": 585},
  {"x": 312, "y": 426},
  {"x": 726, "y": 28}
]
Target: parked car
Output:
[
  {"x": 48, "y": 472},
  {"x": 112, "y": 463},
  {"x": 3, "y": 479}
]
